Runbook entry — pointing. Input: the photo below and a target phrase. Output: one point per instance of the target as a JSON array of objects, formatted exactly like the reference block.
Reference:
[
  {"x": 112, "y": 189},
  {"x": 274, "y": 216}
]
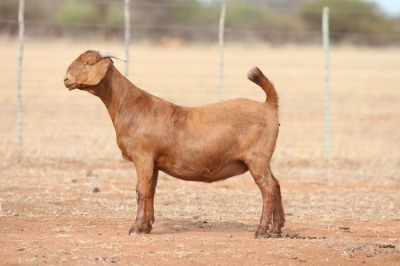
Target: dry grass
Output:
[
  {"x": 62, "y": 124},
  {"x": 58, "y": 123}
]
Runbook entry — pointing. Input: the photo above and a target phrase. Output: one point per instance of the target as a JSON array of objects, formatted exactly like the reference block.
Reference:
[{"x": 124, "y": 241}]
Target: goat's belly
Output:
[{"x": 205, "y": 173}]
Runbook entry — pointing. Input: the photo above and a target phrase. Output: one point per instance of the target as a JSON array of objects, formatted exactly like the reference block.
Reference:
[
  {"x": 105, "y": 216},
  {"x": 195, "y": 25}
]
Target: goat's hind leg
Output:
[
  {"x": 272, "y": 212},
  {"x": 279, "y": 213},
  {"x": 263, "y": 178}
]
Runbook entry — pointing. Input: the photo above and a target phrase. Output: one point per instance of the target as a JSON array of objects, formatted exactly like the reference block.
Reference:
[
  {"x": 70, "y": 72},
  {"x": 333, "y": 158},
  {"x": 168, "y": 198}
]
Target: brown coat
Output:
[{"x": 206, "y": 143}]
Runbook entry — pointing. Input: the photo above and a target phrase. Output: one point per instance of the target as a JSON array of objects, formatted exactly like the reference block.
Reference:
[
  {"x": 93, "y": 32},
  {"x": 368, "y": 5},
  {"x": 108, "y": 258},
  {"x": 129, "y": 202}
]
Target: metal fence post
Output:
[
  {"x": 221, "y": 52},
  {"x": 127, "y": 35},
  {"x": 21, "y": 28},
  {"x": 325, "y": 40}
]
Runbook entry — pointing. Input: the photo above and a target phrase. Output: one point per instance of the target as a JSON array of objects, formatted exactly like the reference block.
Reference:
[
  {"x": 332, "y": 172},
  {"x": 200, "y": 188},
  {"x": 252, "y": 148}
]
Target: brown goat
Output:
[{"x": 207, "y": 143}]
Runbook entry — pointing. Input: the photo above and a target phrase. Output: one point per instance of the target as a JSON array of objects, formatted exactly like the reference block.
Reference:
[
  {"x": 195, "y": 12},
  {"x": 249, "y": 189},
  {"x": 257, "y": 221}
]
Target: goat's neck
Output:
[{"x": 120, "y": 96}]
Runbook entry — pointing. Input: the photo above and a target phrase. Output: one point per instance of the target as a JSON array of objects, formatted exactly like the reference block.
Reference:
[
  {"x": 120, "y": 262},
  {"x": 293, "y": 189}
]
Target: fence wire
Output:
[{"x": 75, "y": 125}]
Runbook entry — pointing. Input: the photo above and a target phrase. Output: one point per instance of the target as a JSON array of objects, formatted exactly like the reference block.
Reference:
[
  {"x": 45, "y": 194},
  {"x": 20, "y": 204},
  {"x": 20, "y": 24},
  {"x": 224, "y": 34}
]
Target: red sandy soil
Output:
[{"x": 67, "y": 212}]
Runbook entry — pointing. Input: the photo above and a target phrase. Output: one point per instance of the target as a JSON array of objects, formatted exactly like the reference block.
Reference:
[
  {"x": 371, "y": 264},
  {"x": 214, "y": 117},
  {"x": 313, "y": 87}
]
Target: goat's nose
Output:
[{"x": 67, "y": 80}]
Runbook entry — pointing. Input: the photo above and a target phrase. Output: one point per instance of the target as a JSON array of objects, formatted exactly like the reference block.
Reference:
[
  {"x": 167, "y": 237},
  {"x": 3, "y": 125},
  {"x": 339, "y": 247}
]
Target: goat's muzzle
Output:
[{"x": 69, "y": 83}]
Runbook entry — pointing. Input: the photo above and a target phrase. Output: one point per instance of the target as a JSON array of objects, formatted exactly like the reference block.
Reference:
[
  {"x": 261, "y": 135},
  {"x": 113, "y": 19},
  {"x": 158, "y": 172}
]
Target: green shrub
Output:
[
  {"x": 9, "y": 10},
  {"x": 115, "y": 16},
  {"x": 240, "y": 14},
  {"x": 244, "y": 15},
  {"x": 195, "y": 13},
  {"x": 346, "y": 16},
  {"x": 73, "y": 12}
]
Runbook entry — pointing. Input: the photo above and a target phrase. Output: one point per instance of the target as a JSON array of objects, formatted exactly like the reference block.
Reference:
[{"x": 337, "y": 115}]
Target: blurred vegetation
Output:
[
  {"x": 77, "y": 12},
  {"x": 243, "y": 15},
  {"x": 271, "y": 20},
  {"x": 194, "y": 13},
  {"x": 347, "y": 17},
  {"x": 73, "y": 12},
  {"x": 9, "y": 10}
]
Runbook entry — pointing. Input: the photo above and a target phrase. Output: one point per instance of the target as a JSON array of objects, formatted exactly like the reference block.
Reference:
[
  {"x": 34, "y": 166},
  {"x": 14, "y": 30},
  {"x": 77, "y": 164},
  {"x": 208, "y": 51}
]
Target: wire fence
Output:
[
  {"x": 363, "y": 81},
  {"x": 157, "y": 26}
]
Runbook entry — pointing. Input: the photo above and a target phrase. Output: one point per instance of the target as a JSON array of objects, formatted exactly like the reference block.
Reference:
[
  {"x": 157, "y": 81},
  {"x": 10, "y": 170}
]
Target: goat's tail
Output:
[{"x": 261, "y": 80}]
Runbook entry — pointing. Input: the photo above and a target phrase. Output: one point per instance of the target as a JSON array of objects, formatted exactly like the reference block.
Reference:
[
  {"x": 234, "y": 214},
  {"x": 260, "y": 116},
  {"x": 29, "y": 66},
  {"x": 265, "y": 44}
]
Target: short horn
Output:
[{"x": 107, "y": 54}]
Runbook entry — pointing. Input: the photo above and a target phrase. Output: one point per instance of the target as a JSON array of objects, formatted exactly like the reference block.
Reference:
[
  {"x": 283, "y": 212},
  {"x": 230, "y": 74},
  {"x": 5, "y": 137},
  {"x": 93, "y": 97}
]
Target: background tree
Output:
[{"x": 346, "y": 17}]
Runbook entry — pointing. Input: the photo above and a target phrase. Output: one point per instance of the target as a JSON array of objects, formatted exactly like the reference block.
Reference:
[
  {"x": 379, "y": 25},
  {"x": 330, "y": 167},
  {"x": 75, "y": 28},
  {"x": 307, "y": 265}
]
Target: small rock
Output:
[
  {"x": 96, "y": 190},
  {"x": 386, "y": 246},
  {"x": 345, "y": 228},
  {"x": 370, "y": 254}
]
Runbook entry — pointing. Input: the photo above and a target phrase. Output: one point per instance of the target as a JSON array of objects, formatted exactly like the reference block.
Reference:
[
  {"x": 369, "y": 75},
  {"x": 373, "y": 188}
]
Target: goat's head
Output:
[{"x": 87, "y": 70}]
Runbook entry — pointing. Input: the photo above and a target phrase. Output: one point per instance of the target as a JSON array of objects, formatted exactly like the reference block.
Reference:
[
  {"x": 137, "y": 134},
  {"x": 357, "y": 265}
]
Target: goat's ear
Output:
[{"x": 98, "y": 71}]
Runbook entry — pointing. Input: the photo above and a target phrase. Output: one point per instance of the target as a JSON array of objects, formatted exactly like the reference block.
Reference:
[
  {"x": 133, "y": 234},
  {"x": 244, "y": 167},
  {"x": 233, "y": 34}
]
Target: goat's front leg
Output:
[
  {"x": 150, "y": 199},
  {"x": 145, "y": 190}
]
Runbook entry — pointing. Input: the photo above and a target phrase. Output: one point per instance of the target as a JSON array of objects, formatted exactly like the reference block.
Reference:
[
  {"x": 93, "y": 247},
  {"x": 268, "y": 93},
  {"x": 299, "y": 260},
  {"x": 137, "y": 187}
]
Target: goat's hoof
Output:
[
  {"x": 262, "y": 233},
  {"x": 133, "y": 233},
  {"x": 276, "y": 230},
  {"x": 274, "y": 235},
  {"x": 137, "y": 230},
  {"x": 267, "y": 235}
]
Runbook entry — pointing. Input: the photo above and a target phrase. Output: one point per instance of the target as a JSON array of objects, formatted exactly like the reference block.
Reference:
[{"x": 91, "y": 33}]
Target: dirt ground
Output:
[
  {"x": 71, "y": 200},
  {"x": 69, "y": 212}
]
